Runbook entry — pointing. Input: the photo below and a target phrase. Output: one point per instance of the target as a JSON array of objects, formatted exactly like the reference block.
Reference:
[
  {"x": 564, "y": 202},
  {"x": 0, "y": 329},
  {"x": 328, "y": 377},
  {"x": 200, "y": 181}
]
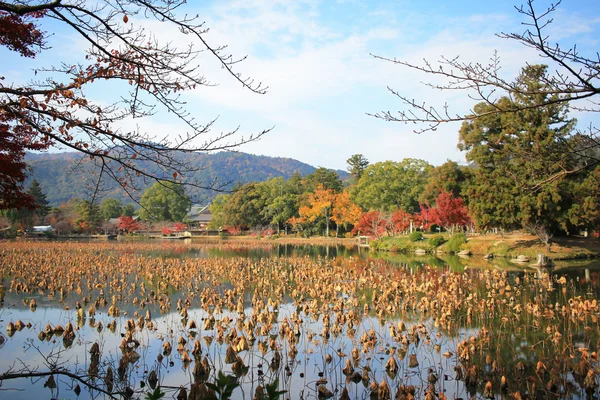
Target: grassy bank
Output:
[{"x": 508, "y": 246}]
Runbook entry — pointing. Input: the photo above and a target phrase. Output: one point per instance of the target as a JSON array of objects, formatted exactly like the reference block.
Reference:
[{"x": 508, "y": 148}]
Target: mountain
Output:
[{"x": 67, "y": 175}]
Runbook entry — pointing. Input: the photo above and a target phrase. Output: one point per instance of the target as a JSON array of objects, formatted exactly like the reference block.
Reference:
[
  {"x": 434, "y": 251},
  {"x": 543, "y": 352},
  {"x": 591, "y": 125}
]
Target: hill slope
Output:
[{"x": 66, "y": 175}]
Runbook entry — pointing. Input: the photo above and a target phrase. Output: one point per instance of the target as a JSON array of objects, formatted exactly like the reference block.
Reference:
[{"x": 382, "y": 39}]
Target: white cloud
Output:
[{"x": 322, "y": 79}]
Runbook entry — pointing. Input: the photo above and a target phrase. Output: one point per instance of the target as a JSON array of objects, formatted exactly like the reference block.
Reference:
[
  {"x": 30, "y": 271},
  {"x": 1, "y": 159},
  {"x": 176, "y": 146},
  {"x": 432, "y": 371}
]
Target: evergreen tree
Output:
[
  {"x": 41, "y": 203},
  {"x": 519, "y": 156},
  {"x": 357, "y": 164}
]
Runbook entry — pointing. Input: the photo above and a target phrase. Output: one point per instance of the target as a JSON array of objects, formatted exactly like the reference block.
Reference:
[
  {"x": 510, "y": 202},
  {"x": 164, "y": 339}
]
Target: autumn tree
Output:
[
  {"x": 128, "y": 224},
  {"x": 319, "y": 206},
  {"x": 345, "y": 213},
  {"x": 449, "y": 177},
  {"x": 371, "y": 223},
  {"x": 165, "y": 201},
  {"x": 62, "y": 218},
  {"x": 400, "y": 221},
  {"x": 449, "y": 212},
  {"x": 574, "y": 82},
  {"x": 146, "y": 74}
]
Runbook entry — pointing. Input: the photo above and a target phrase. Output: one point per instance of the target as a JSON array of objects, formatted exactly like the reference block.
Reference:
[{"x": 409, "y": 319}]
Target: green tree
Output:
[
  {"x": 573, "y": 77},
  {"x": 357, "y": 164},
  {"x": 388, "y": 186},
  {"x": 41, "y": 203},
  {"x": 165, "y": 201},
  {"x": 584, "y": 194},
  {"x": 129, "y": 210},
  {"x": 111, "y": 208},
  {"x": 216, "y": 208},
  {"x": 89, "y": 216},
  {"x": 324, "y": 177},
  {"x": 281, "y": 198},
  {"x": 448, "y": 177},
  {"x": 245, "y": 206},
  {"x": 519, "y": 157},
  {"x": 29, "y": 217}
]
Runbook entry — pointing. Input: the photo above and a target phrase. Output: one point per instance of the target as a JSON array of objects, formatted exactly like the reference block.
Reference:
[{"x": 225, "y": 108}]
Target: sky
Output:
[{"x": 316, "y": 57}]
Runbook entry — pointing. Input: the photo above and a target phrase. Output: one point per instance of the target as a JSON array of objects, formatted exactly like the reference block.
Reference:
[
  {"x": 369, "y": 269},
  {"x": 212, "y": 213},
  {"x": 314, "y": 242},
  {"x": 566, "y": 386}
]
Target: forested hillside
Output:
[{"x": 66, "y": 175}]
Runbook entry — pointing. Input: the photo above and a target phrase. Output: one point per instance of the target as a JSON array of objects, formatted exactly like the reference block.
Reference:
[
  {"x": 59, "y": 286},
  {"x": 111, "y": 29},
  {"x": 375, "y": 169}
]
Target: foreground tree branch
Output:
[
  {"x": 575, "y": 81},
  {"x": 122, "y": 54}
]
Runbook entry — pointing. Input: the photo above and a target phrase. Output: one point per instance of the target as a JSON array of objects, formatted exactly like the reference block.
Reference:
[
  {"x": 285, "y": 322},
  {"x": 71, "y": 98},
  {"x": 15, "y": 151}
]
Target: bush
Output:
[
  {"x": 456, "y": 241},
  {"x": 415, "y": 236},
  {"x": 437, "y": 240}
]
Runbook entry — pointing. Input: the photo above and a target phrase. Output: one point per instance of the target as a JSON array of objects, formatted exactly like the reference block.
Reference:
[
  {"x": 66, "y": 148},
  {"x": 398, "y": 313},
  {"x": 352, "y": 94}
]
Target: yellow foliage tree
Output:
[
  {"x": 319, "y": 205},
  {"x": 345, "y": 212}
]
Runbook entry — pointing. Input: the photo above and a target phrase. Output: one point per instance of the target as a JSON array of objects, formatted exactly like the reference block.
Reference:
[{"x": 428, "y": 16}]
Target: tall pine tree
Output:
[
  {"x": 520, "y": 157},
  {"x": 41, "y": 203}
]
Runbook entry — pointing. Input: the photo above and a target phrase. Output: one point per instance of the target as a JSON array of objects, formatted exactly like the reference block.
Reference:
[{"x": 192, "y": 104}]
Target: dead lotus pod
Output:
[
  {"x": 413, "y": 362},
  {"x": 230, "y": 356},
  {"x": 152, "y": 379}
]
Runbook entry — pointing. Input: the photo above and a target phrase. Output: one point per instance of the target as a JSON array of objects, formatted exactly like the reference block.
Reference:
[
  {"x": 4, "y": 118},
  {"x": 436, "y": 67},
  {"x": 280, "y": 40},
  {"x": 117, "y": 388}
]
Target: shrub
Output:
[
  {"x": 456, "y": 241},
  {"x": 436, "y": 240},
  {"x": 415, "y": 236}
]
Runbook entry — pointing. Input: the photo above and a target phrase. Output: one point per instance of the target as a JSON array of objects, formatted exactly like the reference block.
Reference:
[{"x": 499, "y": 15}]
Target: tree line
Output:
[
  {"x": 513, "y": 181},
  {"x": 520, "y": 176}
]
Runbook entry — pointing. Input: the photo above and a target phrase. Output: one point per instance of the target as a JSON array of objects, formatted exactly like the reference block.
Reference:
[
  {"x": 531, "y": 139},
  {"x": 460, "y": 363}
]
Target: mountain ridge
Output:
[{"x": 67, "y": 175}]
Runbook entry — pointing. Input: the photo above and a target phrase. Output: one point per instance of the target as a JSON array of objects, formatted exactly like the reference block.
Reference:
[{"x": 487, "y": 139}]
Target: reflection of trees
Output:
[{"x": 313, "y": 305}]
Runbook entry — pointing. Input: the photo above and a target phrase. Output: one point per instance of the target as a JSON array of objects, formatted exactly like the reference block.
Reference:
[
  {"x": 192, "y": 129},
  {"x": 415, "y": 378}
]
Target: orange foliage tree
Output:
[
  {"x": 345, "y": 212},
  {"x": 319, "y": 205},
  {"x": 148, "y": 75}
]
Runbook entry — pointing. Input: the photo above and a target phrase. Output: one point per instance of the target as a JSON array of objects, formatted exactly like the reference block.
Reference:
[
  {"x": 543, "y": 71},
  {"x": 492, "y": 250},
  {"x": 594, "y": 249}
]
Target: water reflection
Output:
[{"x": 442, "y": 313}]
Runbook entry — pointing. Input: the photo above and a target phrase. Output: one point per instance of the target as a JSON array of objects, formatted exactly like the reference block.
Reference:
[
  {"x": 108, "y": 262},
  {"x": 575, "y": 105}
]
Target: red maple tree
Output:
[
  {"x": 128, "y": 224},
  {"x": 371, "y": 223},
  {"x": 449, "y": 212},
  {"x": 179, "y": 227},
  {"x": 401, "y": 221}
]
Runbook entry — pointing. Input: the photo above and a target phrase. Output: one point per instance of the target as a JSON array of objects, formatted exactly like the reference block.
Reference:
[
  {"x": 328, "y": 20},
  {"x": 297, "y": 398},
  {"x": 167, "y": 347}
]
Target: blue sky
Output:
[{"x": 315, "y": 58}]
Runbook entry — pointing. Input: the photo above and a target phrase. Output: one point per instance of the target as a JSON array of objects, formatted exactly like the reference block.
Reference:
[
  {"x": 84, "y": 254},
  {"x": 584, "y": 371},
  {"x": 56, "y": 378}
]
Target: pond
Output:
[{"x": 95, "y": 320}]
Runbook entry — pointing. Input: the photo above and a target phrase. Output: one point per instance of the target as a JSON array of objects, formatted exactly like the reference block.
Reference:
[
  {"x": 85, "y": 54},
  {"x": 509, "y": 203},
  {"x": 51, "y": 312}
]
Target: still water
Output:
[{"x": 319, "y": 319}]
